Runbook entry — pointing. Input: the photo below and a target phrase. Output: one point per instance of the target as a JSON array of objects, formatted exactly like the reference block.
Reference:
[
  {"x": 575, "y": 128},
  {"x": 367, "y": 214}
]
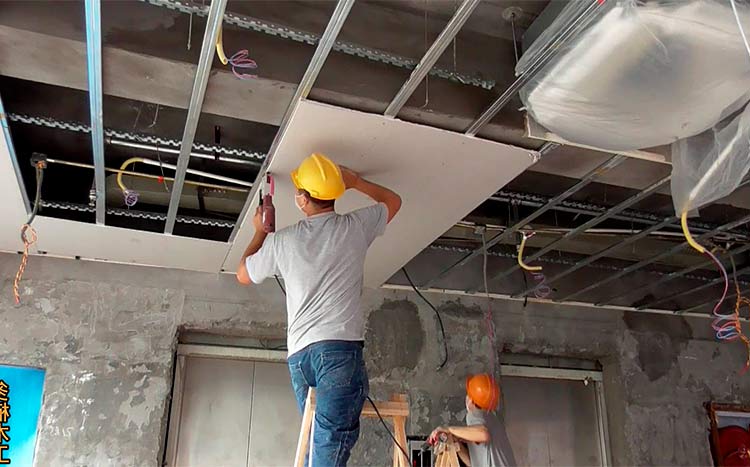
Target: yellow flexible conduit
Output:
[
  {"x": 220, "y": 48},
  {"x": 520, "y": 257},
  {"x": 124, "y": 165},
  {"x": 686, "y": 231}
]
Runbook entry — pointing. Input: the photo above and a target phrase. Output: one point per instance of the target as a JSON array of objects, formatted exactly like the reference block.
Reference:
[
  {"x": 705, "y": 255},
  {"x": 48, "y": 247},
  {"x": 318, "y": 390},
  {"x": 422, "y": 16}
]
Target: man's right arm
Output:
[
  {"x": 474, "y": 433},
  {"x": 377, "y": 192}
]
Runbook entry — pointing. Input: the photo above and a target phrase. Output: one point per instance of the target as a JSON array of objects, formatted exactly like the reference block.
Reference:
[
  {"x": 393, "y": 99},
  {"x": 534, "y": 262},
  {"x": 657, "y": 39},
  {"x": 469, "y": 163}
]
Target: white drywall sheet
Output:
[
  {"x": 440, "y": 175},
  {"x": 61, "y": 237}
]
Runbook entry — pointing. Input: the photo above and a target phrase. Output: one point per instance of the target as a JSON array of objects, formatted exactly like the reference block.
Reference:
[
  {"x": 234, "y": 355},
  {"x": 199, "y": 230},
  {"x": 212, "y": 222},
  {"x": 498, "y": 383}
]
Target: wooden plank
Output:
[
  {"x": 387, "y": 409},
  {"x": 304, "y": 432},
  {"x": 399, "y": 424}
]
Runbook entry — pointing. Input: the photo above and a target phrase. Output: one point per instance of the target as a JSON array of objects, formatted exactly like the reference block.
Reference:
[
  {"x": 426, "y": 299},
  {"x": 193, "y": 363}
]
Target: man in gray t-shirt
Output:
[
  {"x": 484, "y": 441},
  {"x": 321, "y": 259}
]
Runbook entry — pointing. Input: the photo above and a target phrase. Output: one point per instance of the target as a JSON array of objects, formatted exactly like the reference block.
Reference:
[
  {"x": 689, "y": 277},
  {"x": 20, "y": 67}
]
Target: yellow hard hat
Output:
[{"x": 319, "y": 176}]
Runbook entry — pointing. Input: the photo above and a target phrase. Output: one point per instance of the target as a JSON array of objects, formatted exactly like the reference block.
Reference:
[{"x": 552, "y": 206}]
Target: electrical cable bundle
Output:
[
  {"x": 28, "y": 234},
  {"x": 726, "y": 325},
  {"x": 542, "y": 290},
  {"x": 239, "y": 61},
  {"x": 437, "y": 313},
  {"x": 488, "y": 321}
]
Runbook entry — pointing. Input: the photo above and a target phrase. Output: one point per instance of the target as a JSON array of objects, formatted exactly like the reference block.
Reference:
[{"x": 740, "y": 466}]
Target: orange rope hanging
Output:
[
  {"x": 28, "y": 234},
  {"x": 28, "y": 241}
]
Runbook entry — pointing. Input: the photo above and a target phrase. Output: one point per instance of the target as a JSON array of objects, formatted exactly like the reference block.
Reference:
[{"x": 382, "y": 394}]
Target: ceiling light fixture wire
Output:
[
  {"x": 239, "y": 61},
  {"x": 726, "y": 325}
]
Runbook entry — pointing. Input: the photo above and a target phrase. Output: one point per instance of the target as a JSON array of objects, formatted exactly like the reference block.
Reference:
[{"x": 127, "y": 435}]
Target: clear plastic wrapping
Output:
[
  {"x": 711, "y": 165},
  {"x": 640, "y": 74}
]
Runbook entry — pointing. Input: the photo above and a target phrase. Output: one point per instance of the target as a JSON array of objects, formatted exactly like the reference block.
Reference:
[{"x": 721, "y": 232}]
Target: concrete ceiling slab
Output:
[{"x": 403, "y": 156}]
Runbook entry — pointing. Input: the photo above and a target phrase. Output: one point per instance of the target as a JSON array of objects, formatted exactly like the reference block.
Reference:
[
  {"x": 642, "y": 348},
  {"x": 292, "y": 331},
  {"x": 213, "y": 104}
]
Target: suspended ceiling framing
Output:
[{"x": 148, "y": 73}]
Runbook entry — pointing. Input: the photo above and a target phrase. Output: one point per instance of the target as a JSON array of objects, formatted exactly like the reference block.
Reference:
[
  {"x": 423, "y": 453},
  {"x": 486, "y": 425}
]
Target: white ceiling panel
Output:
[
  {"x": 90, "y": 241},
  {"x": 440, "y": 175},
  {"x": 60, "y": 237}
]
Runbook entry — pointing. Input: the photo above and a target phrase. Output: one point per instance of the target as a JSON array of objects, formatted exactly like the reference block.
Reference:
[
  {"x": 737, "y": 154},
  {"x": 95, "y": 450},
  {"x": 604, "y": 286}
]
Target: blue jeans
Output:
[{"x": 336, "y": 369}]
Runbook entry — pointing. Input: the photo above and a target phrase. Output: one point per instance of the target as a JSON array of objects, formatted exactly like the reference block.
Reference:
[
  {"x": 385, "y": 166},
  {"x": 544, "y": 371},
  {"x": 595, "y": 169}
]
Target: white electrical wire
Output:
[{"x": 739, "y": 25}]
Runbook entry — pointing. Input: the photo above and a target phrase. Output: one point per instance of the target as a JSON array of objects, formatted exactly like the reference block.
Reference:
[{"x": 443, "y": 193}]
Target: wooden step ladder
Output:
[
  {"x": 396, "y": 409},
  {"x": 446, "y": 452}
]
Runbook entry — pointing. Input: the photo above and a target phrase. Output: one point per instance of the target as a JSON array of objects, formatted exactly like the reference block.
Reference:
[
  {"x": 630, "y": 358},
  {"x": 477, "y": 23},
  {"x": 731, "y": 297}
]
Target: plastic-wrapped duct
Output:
[
  {"x": 711, "y": 165},
  {"x": 640, "y": 74}
]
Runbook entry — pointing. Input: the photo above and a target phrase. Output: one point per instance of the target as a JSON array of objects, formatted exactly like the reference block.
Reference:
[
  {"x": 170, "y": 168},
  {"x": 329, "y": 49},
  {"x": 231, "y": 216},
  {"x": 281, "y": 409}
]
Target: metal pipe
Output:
[
  {"x": 692, "y": 289},
  {"x": 559, "y": 41},
  {"x": 431, "y": 56},
  {"x": 499, "y": 296},
  {"x": 674, "y": 275},
  {"x": 94, "y": 73},
  {"x": 588, "y": 178},
  {"x": 603, "y": 253},
  {"x": 14, "y": 158},
  {"x": 547, "y": 147},
  {"x": 213, "y": 26},
  {"x": 658, "y": 257},
  {"x": 168, "y": 150},
  {"x": 587, "y": 225},
  {"x": 196, "y": 172},
  {"x": 145, "y": 175},
  {"x": 303, "y": 90}
]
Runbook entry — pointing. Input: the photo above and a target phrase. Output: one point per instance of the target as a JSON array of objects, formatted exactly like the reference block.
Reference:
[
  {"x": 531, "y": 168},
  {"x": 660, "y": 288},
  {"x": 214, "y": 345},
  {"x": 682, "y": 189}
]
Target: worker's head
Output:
[
  {"x": 309, "y": 205},
  {"x": 319, "y": 183},
  {"x": 482, "y": 393}
]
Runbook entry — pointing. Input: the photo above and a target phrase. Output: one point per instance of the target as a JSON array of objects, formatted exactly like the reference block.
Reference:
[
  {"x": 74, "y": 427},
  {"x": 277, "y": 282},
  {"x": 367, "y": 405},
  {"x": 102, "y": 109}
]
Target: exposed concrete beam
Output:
[{"x": 62, "y": 62}]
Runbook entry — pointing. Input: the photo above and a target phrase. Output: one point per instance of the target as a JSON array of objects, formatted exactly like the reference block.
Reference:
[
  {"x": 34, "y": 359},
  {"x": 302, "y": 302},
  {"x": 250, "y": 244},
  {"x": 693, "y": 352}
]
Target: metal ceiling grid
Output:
[{"x": 325, "y": 44}]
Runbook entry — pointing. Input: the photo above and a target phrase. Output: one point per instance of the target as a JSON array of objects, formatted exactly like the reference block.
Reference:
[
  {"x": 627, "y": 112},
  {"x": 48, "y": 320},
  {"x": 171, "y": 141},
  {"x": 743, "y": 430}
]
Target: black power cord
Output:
[
  {"x": 390, "y": 433},
  {"x": 437, "y": 313}
]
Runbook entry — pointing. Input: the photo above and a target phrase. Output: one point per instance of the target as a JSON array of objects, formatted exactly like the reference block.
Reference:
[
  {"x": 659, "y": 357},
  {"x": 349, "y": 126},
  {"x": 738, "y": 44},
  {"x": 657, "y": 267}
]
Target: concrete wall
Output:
[{"x": 106, "y": 335}]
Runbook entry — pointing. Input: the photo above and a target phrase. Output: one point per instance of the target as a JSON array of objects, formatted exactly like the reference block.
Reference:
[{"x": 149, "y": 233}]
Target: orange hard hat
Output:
[{"x": 483, "y": 391}]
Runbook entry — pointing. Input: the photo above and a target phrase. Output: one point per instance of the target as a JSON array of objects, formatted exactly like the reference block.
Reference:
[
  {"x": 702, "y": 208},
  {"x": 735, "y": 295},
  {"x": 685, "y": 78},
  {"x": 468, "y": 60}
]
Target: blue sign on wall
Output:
[{"x": 20, "y": 405}]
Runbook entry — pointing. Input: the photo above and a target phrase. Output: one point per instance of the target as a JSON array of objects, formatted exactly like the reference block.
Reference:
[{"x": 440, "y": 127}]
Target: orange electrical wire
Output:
[
  {"x": 28, "y": 241},
  {"x": 734, "y": 324},
  {"x": 738, "y": 325}
]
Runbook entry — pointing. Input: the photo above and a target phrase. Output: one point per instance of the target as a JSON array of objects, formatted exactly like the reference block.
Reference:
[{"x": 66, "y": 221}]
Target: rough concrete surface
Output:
[{"x": 106, "y": 335}]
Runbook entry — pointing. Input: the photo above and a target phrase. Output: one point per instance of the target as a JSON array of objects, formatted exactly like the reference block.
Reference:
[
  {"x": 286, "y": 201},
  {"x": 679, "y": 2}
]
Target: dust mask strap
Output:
[{"x": 297, "y": 196}]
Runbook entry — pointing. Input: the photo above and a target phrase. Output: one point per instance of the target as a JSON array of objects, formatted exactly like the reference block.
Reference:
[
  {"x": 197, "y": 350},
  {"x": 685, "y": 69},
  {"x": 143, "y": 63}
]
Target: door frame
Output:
[
  {"x": 204, "y": 351},
  {"x": 277, "y": 356},
  {"x": 585, "y": 376}
]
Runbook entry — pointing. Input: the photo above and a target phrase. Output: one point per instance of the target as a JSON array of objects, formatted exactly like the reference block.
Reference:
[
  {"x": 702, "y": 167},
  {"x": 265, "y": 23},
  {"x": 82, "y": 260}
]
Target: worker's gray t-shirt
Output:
[
  {"x": 496, "y": 453},
  {"x": 321, "y": 259}
]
